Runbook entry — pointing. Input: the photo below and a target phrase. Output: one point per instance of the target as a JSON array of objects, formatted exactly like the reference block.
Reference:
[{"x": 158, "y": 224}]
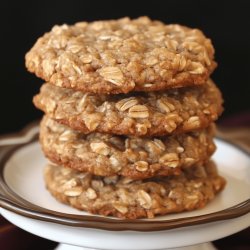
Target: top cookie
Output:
[{"x": 119, "y": 56}]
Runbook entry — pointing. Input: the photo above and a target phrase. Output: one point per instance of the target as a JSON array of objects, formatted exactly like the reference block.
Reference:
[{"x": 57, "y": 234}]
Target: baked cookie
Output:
[
  {"x": 138, "y": 114},
  {"x": 134, "y": 157},
  {"x": 125, "y": 198},
  {"x": 119, "y": 56}
]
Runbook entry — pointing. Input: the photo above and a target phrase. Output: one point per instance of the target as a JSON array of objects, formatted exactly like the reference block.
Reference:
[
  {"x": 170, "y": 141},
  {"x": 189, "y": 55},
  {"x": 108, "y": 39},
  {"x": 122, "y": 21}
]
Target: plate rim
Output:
[{"x": 13, "y": 202}]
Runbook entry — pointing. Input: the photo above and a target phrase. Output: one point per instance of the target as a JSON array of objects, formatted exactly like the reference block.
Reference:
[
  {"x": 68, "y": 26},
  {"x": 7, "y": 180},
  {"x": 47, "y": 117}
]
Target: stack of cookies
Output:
[{"x": 129, "y": 111}]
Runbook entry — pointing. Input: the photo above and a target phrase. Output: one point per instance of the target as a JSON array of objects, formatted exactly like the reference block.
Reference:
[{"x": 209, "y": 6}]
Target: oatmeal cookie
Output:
[
  {"x": 126, "y": 198},
  {"x": 134, "y": 157},
  {"x": 138, "y": 114},
  {"x": 119, "y": 56}
]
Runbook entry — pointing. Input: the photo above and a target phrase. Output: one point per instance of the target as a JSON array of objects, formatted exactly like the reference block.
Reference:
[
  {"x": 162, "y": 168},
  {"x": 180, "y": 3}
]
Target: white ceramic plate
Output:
[
  {"x": 23, "y": 173},
  {"x": 26, "y": 203}
]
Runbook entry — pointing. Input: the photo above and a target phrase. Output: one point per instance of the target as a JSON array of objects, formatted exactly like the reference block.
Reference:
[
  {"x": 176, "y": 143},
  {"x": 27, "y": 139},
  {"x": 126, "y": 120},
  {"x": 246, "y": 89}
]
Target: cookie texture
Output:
[
  {"x": 126, "y": 198},
  {"x": 107, "y": 155},
  {"x": 119, "y": 56},
  {"x": 139, "y": 114}
]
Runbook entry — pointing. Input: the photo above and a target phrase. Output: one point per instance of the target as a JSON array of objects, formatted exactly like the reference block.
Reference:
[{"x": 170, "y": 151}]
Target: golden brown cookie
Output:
[
  {"x": 138, "y": 114},
  {"x": 134, "y": 157},
  {"x": 126, "y": 198},
  {"x": 119, "y": 56}
]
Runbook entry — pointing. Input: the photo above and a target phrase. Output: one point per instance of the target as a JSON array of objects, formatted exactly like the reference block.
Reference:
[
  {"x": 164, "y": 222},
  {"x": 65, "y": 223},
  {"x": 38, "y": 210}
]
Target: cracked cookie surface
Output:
[
  {"x": 139, "y": 114},
  {"x": 134, "y": 157},
  {"x": 119, "y": 56},
  {"x": 126, "y": 198}
]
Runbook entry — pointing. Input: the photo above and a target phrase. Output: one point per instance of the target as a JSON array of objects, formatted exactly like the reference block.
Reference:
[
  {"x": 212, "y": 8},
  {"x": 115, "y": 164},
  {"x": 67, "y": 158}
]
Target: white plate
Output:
[{"x": 22, "y": 174}]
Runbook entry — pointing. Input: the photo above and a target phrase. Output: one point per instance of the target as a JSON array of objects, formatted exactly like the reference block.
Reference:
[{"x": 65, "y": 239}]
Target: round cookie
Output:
[
  {"x": 125, "y": 198},
  {"x": 119, "y": 56},
  {"x": 137, "y": 158},
  {"x": 139, "y": 114}
]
